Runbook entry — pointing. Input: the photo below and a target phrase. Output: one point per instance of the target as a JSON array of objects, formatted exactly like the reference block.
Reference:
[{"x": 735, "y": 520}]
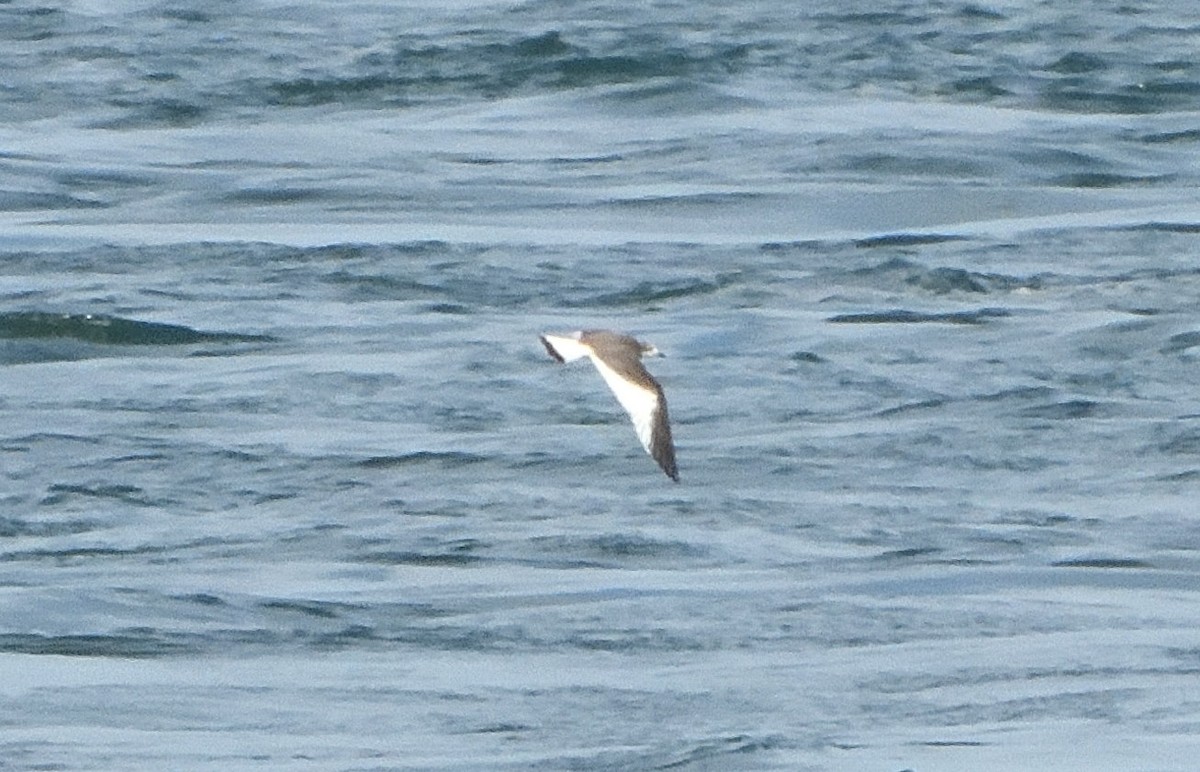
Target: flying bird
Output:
[{"x": 618, "y": 357}]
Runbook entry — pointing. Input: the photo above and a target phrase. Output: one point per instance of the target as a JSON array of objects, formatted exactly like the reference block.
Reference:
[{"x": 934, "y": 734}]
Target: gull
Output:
[{"x": 618, "y": 357}]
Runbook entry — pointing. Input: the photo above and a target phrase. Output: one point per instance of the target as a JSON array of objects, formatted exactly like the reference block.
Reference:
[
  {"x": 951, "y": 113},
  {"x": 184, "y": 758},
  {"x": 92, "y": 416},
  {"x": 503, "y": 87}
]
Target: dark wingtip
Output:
[
  {"x": 662, "y": 447},
  {"x": 551, "y": 350}
]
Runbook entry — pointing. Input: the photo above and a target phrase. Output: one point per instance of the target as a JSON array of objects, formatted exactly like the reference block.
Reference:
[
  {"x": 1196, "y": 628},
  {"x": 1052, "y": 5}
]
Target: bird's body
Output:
[{"x": 618, "y": 357}]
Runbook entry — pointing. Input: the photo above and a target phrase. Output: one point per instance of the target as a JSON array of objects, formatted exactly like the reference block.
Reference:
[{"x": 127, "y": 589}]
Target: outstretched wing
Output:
[{"x": 643, "y": 400}]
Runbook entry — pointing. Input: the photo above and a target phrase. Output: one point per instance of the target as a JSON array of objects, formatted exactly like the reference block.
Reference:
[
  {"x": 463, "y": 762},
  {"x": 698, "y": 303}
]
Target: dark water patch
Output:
[
  {"x": 141, "y": 459},
  {"x": 643, "y": 57},
  {"x": 803, "y": 246},
  {"x": 316, "y": 609},
  {"x": 907, "y": 554},
  {"x": 899, "y": 272},
  {"x": 535, "y": 460},
  {"x": 1189, "y": 656},
  {"x": 455, "y": 255},
  {"x": 631, "y": 640},
  {"x": 1021, "y": 394},
  {"x": 201, "y": 599},
  {"x": 708, "y": 753},
  {"x": 452, "y": 286},
  {"x": 275, "y": 196},
  {"x": 505, "y": 727},
  {"x": 693, "y": 201},
  {"x": 1064, "y": 160},
  {"x": 1102, "y": 563},
  {"x": 1181, "y": 342},
  {"x": 1039, "y": 519},
  {"x": 59, "y": 493},
  {"x": 615, "y": 549},
  {"x": 1068, "y": 410},
  {"x": 33, "y": 23},
  {"x": 26, "y": 201},
  {"x": 1184, "y": 443},
  {"x": 902, "y": 316},
  {"x": 12, "y": 527},
  {"x": 1077, "y": 62},
  {"x": 907, "y": 240},
  {"x": 23, "y": 352},
  {"x": 666, "y": 97},
  {"x": 462, "y": 552},
  {"x": 72, "y": 555},
  {"x": 333, "y": 88},
  {"x": 1081, "y": 94},
  {"x": 973, "y": 12},
  {"x": 1187, "y": 136},
  {"x": 133, "y": 645},
  {"x": 547, "y": 44},
  {"x": 650, "y": 293},
  {"x": 349, "y": 637},
  {"x": 908, "y": 165},
  {"x": 156, "y": 112},
  {"x": 941, "y": 281},
  {"x": 110, "y": 330},
  {"x": 872, "y": 19},
  {"x": 453, "y": 309},
  {"x": 461, "y": 638},
  {"x": 187, "y": 14},
  {"x": 1107, "y": 180},
  {"x": 910, "y": 407},
  {"x": 494, "y": 63},
  {"x": 29, "y": 441},
  {"x": 448, "y": 509},
  {"x": 469, "y": 418},
  {"x": 371, "y": 286},
  {"x": 1188, "y": 476},
  {"x": 150, "y": 643},
  {"x": 593, "y": 70},
  {"x": 422, "y": 457},
  {"x": 982, "y": 87},
  {"x": 1022, "y": 464},
  {"x": 412, "y": 558},
  {"x": 1185, "y": 228},
  {"x": 102, "y": 180}
]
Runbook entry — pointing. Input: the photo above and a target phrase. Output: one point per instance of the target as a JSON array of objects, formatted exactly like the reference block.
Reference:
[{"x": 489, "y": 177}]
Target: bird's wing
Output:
[
  {"x": 647, "y": 408},
  {"x": 564, "y": 349},
  {"x": 662, "y": 447}
]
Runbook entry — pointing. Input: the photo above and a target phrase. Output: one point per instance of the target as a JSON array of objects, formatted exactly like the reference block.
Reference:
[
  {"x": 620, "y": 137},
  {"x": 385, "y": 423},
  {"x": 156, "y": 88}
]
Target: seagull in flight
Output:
[{"x": 618, "y": 357}]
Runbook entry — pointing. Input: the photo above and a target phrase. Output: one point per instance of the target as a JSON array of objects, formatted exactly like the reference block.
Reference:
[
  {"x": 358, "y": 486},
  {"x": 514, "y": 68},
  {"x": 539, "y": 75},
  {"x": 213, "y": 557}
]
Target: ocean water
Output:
[{"x": 288, "y": 482}]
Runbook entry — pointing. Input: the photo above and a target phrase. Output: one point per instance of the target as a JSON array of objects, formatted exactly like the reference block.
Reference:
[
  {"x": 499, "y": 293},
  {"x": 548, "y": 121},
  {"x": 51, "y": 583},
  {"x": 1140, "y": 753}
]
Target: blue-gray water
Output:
[{"x": 288, "y": 481}]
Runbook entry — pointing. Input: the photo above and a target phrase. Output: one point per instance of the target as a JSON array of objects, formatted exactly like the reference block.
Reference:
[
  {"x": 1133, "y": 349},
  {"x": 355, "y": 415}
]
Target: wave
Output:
[
  {"x": 650, "y": 293},
  {"x": 217, "y": 64},
  {"x": 420, "y": 457},
  {"x": 28, "y": 337},
  {"x": 110, "y": 330},
  {"x": 900, "y": 274},
  {"x": 126, "y": 646},
  {"x": 14, "y": 527},
  {"x": 903, "y": 316},
  {"x": 892, "y": 240},
  {"x": 493, "y": 65}
]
